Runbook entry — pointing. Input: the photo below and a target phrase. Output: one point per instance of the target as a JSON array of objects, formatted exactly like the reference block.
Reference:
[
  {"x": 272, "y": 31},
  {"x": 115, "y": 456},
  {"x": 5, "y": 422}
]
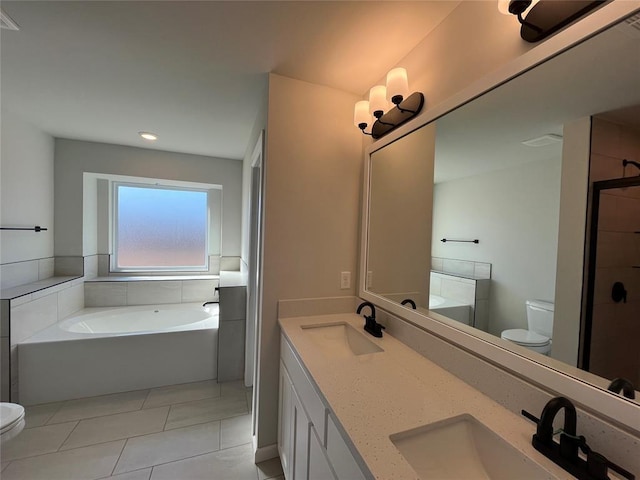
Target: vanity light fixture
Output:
[
  {"x": 389, "y": 106},
  {"x": 152, "y": 137},
  {"x": 542, "y": 18}
]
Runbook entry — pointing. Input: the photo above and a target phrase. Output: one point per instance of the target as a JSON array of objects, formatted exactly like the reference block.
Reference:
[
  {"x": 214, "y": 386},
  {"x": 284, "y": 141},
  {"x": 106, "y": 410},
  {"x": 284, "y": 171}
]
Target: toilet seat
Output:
[
  {"x": 526, "y": 338},
  {"x": 11, "y": 420}
]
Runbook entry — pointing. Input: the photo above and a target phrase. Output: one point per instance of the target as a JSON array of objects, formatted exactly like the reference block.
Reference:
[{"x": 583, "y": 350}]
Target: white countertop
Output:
[{"x": 376, "y": 395}]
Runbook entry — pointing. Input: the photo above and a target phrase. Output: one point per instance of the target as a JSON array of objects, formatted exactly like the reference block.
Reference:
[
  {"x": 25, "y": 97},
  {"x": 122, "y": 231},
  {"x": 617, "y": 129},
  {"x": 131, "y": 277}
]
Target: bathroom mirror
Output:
[{"x": 497, "y": 195}]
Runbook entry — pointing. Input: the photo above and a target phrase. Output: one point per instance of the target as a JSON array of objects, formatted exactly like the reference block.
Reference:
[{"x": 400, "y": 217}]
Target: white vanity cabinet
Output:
[{"x": 309, "y": 442}]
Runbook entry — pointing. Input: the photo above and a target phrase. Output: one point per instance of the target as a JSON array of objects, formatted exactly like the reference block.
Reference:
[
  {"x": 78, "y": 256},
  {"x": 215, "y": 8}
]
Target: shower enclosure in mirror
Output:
[
  {"x": 611, "y": 328},
  {"x": 513, "y": 169}
]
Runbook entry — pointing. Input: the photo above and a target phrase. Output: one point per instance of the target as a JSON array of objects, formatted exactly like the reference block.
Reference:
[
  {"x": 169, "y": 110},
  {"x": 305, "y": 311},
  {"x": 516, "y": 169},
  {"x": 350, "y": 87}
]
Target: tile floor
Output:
[{"x": 195, "y": 431}]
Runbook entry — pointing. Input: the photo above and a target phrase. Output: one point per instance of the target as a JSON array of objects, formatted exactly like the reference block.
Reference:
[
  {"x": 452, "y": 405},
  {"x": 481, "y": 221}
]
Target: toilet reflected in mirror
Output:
[{"x": 537, "y": 337}]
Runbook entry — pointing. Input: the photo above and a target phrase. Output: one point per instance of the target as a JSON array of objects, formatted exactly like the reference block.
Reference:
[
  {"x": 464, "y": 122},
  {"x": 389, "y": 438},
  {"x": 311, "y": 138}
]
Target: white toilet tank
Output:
[{"x": 540, "y": 317}]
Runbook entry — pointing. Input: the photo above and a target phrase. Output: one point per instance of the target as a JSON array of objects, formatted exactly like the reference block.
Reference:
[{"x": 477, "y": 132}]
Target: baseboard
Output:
[{"x": 265, "y": 453}]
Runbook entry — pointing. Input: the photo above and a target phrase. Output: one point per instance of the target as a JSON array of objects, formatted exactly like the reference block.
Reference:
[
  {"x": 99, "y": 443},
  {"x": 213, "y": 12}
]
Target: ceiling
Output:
[
  {"x": 192, "y": 72},
  {"x": 601, "y": 76}
]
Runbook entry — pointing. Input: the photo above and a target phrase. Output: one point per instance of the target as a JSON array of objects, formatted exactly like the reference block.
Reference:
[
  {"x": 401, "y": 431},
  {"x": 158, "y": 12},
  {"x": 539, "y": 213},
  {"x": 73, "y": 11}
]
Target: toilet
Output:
[
  {"x": 540, "y": 323},
  {"x": 11, "y": 420}
]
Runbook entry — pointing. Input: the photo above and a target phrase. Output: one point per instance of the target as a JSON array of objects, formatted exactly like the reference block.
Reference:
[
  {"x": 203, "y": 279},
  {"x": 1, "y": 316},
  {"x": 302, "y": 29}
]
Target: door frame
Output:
[{"x": 597, "y": 187}]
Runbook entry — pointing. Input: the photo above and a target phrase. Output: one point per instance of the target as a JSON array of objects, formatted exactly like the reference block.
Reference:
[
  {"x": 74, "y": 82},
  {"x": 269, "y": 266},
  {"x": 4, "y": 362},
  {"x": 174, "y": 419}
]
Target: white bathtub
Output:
[
  {"x": 454, "y": 309},
  {"x": 107, "y": 350}
]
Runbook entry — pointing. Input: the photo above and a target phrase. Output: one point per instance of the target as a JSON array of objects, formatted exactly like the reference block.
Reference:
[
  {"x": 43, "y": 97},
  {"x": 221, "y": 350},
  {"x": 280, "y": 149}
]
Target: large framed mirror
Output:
[{"x": 505, "y": 186}]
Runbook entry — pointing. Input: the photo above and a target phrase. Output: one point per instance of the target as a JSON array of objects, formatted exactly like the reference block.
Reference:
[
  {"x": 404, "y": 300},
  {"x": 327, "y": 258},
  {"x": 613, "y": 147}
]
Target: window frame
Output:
[{"x": 158, "y": 269}]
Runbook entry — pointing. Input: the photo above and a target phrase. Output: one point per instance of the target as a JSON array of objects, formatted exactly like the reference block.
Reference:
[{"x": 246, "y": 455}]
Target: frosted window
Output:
[{"x": 160, "y": 228}]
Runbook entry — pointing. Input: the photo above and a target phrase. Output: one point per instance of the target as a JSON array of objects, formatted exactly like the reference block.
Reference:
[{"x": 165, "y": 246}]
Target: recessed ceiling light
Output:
[{"x": 148, "y": 136}]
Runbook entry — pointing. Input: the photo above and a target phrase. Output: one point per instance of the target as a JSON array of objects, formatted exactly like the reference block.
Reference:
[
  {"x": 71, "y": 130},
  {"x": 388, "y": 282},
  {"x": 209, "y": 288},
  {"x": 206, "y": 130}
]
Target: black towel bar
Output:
[
  {"x": 37, "y": 228},
  {"x": 445, "y": 240}
]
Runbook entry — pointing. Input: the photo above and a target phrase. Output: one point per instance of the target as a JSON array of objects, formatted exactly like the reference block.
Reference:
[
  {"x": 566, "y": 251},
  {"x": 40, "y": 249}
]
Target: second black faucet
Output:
[{"x": 370, "y": 325}]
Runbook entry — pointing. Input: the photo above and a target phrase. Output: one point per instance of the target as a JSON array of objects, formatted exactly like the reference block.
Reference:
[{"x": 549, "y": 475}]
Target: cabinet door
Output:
[
  {"x": 319, "y": 468},
  {"x": 286, "y": 417},
  {"x": 302, "y": 429}
]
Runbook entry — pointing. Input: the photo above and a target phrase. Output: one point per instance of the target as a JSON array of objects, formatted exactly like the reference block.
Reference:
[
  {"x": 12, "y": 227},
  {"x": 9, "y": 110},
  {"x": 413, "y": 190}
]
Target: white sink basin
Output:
[
  {"x": 340, "y": 340},
  {"x": 463, "y": 448}
]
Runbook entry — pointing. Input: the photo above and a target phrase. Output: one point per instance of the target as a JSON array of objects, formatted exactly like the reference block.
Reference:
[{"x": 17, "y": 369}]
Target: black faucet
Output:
[
  {"x": 565, "y": 453},
  {"x": 370, "y": 325},
  {"x": 410, "y": 302},
  {"x": 623, "y": 384}
]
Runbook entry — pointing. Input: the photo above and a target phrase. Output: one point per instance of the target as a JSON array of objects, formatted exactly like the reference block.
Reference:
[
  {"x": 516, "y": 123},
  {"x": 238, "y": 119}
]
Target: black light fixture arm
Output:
[
  {"x": 626, "y": 162},
  {"x": 401, "y": 113}
]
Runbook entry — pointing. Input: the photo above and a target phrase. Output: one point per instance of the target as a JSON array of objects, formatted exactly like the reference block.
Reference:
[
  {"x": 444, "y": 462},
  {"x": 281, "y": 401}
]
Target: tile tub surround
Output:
[
  {"x": 126, "y": 436},
  {"x": 126, "y": 290},
  {"x": 416, "y": 391},
  {"x": 28, "y": 309},
  {"x": 54, "y": 365}
]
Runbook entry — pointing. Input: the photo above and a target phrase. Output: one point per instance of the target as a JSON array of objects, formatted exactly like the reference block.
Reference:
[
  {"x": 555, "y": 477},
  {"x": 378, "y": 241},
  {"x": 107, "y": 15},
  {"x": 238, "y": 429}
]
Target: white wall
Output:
[
  {"x": 26, "y": 172},
  {"x": 259, "y": 125},
  {"x": 470, "y": 43},
  {"x": 73, "y": 158},
  {"x": 312, "y": 209},
  {"x": 571, "y": 238},
  {"x": 514, "y": 213}
]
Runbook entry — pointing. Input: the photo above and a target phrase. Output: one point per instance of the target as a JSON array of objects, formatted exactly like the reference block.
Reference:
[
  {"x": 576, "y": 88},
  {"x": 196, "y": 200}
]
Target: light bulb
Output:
[
  {"x": 378, "y": 101},
  {"x": 397, "y": 85},
  {"x": 361, "y": 115}
]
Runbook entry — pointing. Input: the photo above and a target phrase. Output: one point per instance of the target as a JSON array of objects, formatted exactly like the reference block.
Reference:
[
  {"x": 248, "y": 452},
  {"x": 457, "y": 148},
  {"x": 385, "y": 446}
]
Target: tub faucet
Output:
[
  {"x": 565, "y": 453},
  {"x": 370, "y": 326},
  {"x": 624, "y": 385}
]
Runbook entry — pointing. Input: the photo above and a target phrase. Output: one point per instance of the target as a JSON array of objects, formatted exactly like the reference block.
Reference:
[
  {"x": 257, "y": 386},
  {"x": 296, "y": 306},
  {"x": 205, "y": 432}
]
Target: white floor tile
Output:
[
  {"x": 116, "y": 427},
  {"x": 207, "y": 410},
  {"x": 270, "y": 469},
  {"x": 235, "y": 431},
  {"x": 37, "y": 441},
  {"x": 88, "y": 463},
  {"x": 187, "y": 392},
  {"x": 143, "y": 474},
  {"x": 235, "y": 388},
  {"x": 39, "y": 415},
  {"x": 163, "y": 447},
  {"x": 233, "y": 463},
  {"x": 97, "y": 406}
]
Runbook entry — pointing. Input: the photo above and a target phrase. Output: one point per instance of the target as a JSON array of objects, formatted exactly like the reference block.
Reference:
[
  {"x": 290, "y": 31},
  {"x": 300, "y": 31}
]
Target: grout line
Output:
[
  {"x": 207, "y": 421},
  {"x": 107, "y": 415},
  {"x": 124, "y": 445},
  {"x": 186, "y": 458},
  {"x": 166, "y": 420},
  {"x": 67, "y": 437},
  {"x": 63, "y": 451}
]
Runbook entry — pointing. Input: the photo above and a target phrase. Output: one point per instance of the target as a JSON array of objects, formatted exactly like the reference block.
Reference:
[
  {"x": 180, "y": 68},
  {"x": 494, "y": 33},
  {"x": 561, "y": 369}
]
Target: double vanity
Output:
[{"x": 353, "y": 406}]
